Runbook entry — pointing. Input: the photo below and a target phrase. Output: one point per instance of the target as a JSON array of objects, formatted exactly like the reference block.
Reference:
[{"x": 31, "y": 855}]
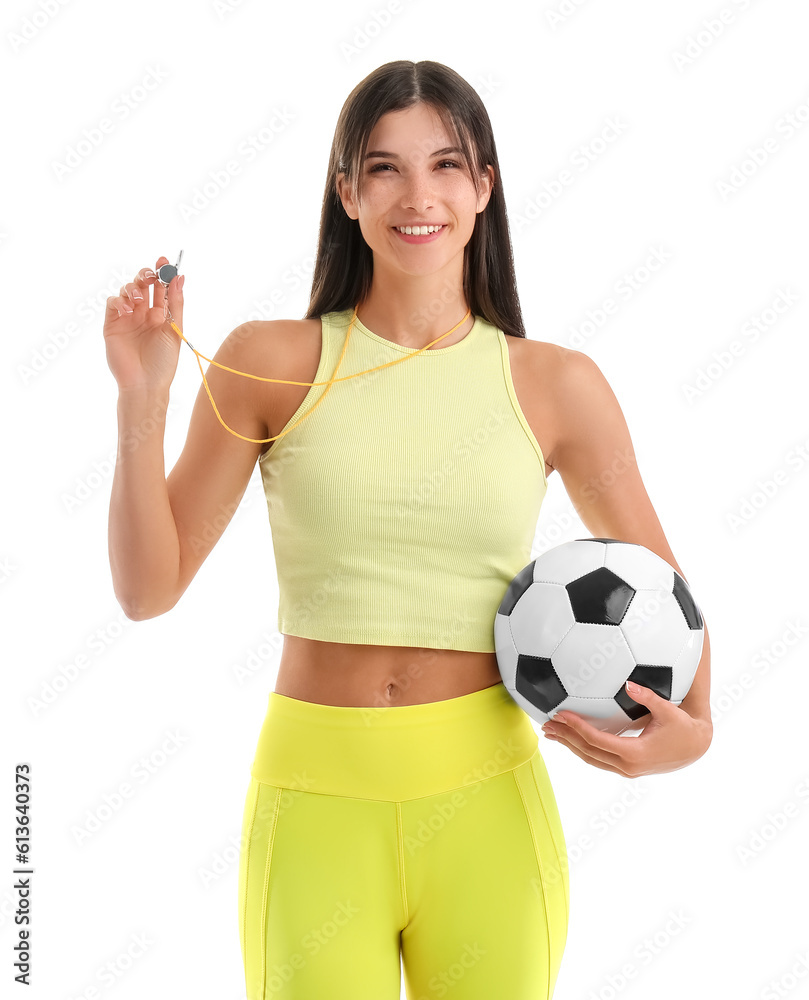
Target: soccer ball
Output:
[{"x": 586, "y": 616}]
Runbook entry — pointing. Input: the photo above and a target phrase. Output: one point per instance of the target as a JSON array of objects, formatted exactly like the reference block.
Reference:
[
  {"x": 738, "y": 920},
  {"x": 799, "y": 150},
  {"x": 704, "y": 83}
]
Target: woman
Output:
[{"x": 398, "y": 801}]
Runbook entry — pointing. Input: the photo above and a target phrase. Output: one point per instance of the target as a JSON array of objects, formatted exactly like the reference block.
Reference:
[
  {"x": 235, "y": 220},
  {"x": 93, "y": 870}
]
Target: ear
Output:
[
  {"x": 344, "y": 194},
  {"x": 486, "y": 188}
]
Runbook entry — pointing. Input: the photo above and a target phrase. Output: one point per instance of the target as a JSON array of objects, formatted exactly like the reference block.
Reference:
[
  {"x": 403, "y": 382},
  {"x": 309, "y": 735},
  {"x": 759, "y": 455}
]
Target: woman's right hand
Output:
[{"x": 142, "y": 348}]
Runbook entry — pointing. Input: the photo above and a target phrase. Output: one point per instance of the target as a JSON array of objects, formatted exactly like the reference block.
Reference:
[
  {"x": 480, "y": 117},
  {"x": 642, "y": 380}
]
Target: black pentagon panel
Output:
[
  {"x": 599, "y": 597},
  {"x": 682, "y": 595},
  {"x": 649, "y": 675},
  {"x": 616, "y": 540},
  {"x": 539, "y": 683},
  {"x": 630, "y": 706},
  {"x": 518, "y": 586}
]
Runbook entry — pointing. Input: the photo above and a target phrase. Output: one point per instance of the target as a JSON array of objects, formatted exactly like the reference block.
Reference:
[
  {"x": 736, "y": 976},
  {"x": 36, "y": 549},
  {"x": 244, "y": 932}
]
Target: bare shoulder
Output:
[
  {"x": 275, "y": 334},
  {"x": 585, "y": 411},
  {"x": 284, "y": 349},
  {"x": 268, "y": 348},
  {"x": 537, "y": 369},
  {"x": 544, "y": 358}
]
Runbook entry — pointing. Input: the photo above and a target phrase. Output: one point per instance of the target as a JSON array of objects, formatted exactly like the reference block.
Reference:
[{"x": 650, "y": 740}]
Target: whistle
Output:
[{"x": 168, "y": 272}]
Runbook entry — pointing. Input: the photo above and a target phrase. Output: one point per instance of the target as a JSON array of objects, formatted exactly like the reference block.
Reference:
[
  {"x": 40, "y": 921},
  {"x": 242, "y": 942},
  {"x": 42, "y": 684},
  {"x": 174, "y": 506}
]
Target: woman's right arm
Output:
[{"x": 161, "y": 530}]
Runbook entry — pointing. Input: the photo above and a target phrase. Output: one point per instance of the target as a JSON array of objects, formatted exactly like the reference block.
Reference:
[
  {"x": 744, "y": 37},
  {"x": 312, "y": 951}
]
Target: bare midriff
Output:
[{"x": 353, "y": 674}]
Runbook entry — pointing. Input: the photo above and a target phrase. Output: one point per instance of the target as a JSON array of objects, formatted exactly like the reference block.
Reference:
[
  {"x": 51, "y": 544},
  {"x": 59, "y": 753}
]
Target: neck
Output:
[{"x": 413, "y": 310}]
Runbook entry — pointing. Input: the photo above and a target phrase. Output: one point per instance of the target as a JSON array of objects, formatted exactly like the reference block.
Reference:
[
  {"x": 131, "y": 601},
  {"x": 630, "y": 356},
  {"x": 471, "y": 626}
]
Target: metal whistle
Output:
[{"x": 168, "y": 272}]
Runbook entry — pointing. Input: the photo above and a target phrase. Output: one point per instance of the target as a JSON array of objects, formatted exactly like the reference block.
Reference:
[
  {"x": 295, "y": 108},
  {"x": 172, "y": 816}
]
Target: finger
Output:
[
  {"x": 144, "y": 279},
  {"x": 123, "y": 301},
  {"x": 594, "y": 744},
  {"x": 610, "y": 762},
  {"x": 597, "y": 763},
  {"x": 649, "y": 699},
  {"x": 159, "y": 290},
  {"x": 136, "y": 295},
  {"x": 114, "y": 309},
  {"x": 126, "y": 294},
  {"x": 175, "y": 293}
]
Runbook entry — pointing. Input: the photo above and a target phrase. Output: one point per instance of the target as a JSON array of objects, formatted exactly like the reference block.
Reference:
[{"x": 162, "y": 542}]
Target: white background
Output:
[{"x": 692, "y": 102}]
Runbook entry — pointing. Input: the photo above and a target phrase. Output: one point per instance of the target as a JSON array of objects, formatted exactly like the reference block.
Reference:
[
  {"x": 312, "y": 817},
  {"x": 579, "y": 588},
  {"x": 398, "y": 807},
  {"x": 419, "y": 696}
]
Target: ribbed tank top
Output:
[{"x": 404, "y": 505}]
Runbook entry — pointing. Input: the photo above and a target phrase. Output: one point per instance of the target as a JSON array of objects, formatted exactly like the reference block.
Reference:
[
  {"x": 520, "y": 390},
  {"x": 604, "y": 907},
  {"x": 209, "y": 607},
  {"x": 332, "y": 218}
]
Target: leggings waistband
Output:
[{"x": 392, "y": 753}]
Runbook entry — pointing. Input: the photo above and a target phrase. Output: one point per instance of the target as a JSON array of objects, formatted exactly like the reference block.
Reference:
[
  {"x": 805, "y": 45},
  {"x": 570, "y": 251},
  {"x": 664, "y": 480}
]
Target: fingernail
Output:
[
  {"x": 149, "y": 273},
  {"x": 181, "y": 282}
]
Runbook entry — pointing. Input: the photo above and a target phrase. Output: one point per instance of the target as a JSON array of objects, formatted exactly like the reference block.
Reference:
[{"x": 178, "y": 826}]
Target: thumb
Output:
[
  {"x": 175, "y": 299},
  {"x": 646, "y": 696}
]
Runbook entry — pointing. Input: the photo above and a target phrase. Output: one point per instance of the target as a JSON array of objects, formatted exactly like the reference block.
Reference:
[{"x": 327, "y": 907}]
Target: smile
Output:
[{"x": 418, "y": 234}]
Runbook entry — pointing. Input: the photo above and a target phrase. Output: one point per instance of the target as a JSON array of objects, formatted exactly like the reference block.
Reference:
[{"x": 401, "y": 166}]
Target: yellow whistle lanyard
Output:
[{"x": 328, "y": 384}]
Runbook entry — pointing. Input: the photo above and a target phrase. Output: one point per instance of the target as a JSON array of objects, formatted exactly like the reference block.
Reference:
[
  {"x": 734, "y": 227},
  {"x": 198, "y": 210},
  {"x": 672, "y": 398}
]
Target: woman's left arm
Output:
[{"x": 594, "y": 456}]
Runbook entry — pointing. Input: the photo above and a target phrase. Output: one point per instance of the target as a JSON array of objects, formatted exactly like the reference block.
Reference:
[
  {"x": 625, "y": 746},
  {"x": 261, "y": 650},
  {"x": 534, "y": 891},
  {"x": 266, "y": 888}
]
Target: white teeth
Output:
[{"x": 418, "y": 230}]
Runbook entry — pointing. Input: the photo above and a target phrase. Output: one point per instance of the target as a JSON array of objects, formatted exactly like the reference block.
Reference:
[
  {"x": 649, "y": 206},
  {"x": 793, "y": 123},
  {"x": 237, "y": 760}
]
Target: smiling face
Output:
[{"x": 412, "y": 175}]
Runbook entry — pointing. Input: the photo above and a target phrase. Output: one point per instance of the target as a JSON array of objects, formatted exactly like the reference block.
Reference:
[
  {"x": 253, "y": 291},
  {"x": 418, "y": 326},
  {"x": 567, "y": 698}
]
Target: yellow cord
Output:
[{"x": 328, "y": 384}]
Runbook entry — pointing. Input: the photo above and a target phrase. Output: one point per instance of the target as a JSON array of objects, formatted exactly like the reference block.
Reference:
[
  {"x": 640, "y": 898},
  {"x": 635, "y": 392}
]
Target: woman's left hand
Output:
[{"x": 671, "y": 738}]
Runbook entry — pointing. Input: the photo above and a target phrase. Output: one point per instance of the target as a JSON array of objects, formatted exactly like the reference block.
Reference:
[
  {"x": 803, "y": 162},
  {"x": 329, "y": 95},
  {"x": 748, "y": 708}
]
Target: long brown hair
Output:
[{"x": 344, "y": 263}]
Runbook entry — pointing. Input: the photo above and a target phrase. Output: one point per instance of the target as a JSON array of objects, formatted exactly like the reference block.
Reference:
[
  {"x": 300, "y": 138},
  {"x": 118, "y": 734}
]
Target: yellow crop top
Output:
[{"x": 404, "y": 505}]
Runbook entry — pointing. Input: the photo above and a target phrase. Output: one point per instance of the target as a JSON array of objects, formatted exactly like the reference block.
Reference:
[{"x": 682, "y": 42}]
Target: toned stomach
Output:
[
  {"x": 360, "y": 675},
  {"x": 354, "y": 674}
]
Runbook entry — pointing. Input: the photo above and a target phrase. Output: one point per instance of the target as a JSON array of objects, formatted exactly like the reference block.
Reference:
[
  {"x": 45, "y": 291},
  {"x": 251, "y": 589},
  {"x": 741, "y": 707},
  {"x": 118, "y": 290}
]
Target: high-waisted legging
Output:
[{"x": 427, "y": 831}]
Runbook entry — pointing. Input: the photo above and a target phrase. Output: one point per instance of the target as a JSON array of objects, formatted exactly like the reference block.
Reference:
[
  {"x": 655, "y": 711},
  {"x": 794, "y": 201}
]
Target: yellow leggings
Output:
[{"x": 426, "y": 831}]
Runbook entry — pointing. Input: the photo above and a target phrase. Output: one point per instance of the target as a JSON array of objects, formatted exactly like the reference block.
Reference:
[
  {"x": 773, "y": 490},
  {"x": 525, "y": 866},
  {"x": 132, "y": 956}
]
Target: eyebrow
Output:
[{"x": 393, "y": 156}]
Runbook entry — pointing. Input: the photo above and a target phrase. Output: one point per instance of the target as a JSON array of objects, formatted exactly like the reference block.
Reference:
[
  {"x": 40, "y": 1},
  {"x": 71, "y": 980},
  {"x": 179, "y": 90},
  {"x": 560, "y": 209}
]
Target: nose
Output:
[{"x": 418, "y": 191}]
